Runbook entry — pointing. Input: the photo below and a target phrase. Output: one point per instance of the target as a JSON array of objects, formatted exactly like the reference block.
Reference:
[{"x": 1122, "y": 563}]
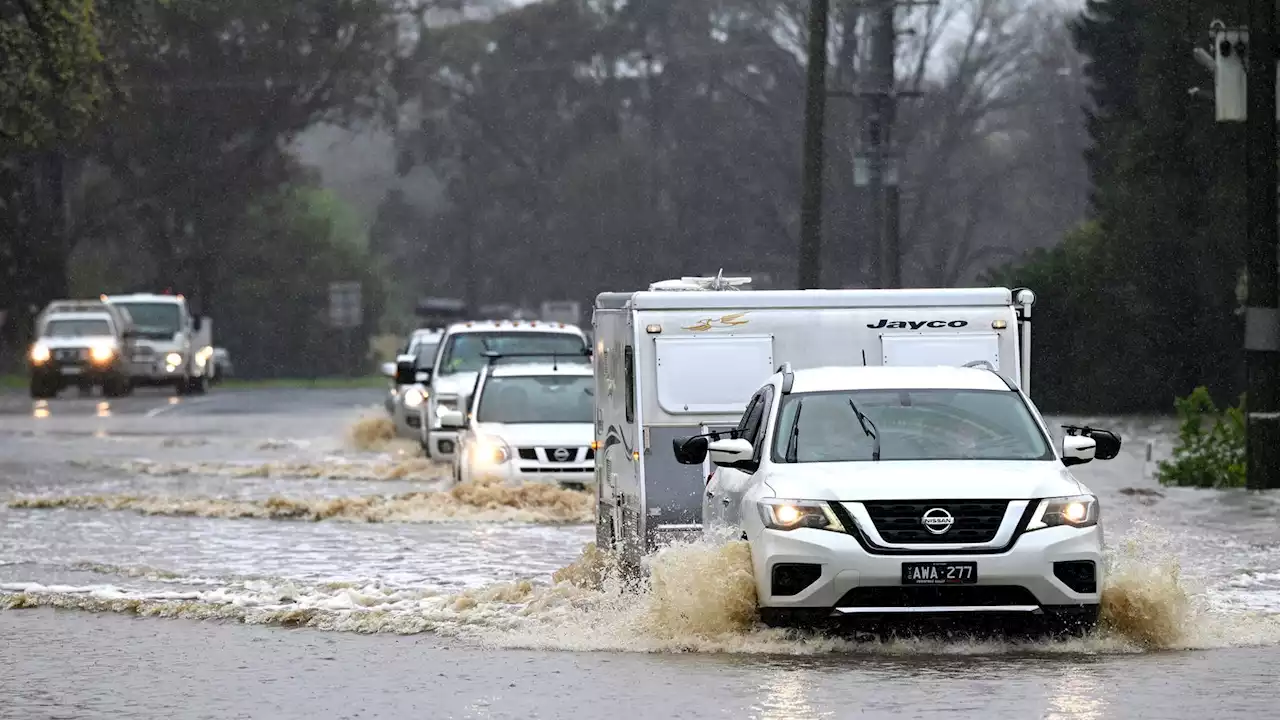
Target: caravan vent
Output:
[{"x": 719, "y": 282}]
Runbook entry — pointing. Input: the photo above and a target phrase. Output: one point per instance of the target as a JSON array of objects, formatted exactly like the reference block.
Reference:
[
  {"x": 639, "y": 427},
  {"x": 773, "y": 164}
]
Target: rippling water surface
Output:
[{"x": 205, "y": 533}]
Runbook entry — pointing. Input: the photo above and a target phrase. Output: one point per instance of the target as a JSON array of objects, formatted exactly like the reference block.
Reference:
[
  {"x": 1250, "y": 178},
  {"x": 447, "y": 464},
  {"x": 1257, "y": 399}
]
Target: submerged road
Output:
[{"x": 269, "y": 555}]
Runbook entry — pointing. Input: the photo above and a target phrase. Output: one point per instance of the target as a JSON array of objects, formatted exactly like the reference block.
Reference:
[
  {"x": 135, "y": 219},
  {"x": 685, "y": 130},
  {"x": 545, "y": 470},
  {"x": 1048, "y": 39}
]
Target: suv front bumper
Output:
[{"x": 851, "y": 582}]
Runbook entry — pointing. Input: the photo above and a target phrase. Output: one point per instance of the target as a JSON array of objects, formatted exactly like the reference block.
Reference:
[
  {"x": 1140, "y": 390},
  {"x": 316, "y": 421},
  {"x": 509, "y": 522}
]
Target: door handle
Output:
[
  {"x": 710, "y": 494},
  {"x": 724, "y": 500}
]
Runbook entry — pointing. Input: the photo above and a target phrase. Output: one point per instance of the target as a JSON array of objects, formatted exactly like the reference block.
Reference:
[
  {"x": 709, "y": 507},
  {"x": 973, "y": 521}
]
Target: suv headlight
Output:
[
  {"x": 414, "y": 397},
  {"x": 1076, "y": 511},
  {"x": 40, "y": 354},
  {"x": 444, "y": 404},
  {"x": 489, "y": 451},
  {"x": 793, "y": 514},
  {"x": 101, "y": 353}
]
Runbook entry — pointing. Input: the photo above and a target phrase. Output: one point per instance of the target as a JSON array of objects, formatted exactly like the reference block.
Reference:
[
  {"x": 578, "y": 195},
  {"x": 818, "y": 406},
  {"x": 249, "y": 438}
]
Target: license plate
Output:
[
  {"x": 940, "y": 573},
  {"x": 71, "y": 371}
]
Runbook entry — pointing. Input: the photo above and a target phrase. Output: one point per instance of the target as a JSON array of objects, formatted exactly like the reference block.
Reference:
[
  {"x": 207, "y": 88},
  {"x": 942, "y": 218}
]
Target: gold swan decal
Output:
[{"x": 727, "y": 321}]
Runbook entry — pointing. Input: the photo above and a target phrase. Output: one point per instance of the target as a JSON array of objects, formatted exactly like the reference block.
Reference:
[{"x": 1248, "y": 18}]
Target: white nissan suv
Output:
[{"x": 881, "y": 494}]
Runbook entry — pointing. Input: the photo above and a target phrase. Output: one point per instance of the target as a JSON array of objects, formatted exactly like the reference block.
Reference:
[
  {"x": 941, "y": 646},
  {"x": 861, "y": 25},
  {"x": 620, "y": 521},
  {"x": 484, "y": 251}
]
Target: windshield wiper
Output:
[
  {"x": 795, "y": 433},
  {"x": 868, "y": 427}
]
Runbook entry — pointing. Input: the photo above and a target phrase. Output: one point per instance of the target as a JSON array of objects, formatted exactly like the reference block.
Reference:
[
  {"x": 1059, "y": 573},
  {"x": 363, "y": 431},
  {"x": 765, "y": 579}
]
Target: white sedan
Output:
[{"x": 914, "y": 494}]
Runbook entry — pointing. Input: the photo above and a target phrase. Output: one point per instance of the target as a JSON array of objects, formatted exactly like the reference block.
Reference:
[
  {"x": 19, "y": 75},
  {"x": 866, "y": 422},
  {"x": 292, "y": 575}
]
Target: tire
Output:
[
  {"x": 43, "y": 389},
  {"x": 114, "y": 387},
  {"x": 180, "y": 386},
  {"x": 198, "y": 385}
]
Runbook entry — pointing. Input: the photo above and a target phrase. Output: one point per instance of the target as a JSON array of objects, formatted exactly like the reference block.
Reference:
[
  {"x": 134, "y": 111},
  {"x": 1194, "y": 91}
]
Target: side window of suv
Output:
[
  {"x": 749, "y": 427},
  {"x": 758, "y": 421}
]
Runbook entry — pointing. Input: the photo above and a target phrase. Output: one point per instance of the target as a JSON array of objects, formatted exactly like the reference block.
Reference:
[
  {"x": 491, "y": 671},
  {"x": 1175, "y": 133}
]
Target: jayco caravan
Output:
[{"x": 684, "y": 356}]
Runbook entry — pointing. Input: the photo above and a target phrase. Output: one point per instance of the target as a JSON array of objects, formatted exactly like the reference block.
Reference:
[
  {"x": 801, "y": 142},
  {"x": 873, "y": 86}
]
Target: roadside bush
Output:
[{"x": 1211, "y": 444}]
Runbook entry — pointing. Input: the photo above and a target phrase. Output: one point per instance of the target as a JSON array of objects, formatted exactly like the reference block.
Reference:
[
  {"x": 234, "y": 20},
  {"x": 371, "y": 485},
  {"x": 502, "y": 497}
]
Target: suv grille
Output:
[
  {"x": 974, "y": 521},
  {"x": 937, "y": 596}
]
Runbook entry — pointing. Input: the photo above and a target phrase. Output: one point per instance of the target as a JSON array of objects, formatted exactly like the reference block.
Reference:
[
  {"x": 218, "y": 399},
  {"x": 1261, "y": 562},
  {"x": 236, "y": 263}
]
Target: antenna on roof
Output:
[
  {"x": 864, "y": 358},
  {"x": 719, "y": 282}
]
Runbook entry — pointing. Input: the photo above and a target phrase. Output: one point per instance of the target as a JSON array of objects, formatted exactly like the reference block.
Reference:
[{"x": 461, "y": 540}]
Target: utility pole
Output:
[
  {"x": 815, "y": 111},
  {"x": 881, "y": 159},
  {"x": 1262, "y": 318}
]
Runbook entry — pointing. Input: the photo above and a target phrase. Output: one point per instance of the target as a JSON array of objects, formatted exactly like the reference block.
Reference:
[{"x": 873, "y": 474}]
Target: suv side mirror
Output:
[
  {"x": 1078, "y": 450},
  {"x": 389, "y": 369},
  {"x": 730, "y": 452},
  {"x": 1108, "y": 444},
  {"x": 423, "y": 375},
  {"x": 405, "y": 372},
  {"x": 690, "y": 450}
]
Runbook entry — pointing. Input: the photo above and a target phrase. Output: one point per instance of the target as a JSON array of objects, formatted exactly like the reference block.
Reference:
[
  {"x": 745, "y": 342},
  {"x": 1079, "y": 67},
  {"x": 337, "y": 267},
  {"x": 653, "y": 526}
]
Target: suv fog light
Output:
[
  {"x": 1079, "y": 575},
  {"x": 791, "y": 578}
]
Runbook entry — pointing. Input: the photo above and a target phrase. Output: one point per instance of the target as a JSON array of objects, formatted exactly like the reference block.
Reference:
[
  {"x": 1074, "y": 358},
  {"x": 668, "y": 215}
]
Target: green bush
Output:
[{"x": 1211, "y": 444}]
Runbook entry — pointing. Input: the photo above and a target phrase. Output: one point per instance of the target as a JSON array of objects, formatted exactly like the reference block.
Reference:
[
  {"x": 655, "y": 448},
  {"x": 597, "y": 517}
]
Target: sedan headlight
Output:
[
  {"x": 489, "y": 451},
  {"x": 414, "y": 397},
  {"x": 794, "y": 514},
  {"x": 39, "y": 354},
  {"x": 1076, "y": 511}
]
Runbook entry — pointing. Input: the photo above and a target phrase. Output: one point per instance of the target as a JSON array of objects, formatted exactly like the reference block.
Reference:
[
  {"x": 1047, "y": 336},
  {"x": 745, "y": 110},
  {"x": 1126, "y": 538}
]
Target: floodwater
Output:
[{"x": 246, "y": 554}]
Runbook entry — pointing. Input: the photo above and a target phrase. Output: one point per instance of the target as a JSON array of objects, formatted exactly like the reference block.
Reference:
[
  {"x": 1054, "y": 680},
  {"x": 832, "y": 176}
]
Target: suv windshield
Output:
[
  {"x": 537, "y": 399},
  {"x": 912, "y": 425},
  {"x": 464, "y": 352},
  {"x": 161, "y": 320},
  {"x": 76, "y": 328}
]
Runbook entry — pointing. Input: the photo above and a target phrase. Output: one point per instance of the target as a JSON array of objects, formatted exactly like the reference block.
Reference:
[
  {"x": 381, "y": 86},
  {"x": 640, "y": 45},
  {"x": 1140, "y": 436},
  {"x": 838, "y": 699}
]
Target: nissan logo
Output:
[
  {"x": 561, "y": 454},
  {"x": 937, "y": 520}
]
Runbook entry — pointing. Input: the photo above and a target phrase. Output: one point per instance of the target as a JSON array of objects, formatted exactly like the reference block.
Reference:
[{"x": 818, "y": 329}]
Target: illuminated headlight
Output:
[
  {"x": 1077, "y": 511},
  {"x": 39, "y": 354},
  {"x": 489, "y": 451},
  {"x": 414, "y": 397},
  {"x": 101, "y": 353},
  {"x": 794, "y": 514},
  {"x": 173, "y": 359}
]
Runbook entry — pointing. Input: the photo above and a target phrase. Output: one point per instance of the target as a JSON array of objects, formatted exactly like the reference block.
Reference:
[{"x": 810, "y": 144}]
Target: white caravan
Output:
[{"x": 685, "y": 356}]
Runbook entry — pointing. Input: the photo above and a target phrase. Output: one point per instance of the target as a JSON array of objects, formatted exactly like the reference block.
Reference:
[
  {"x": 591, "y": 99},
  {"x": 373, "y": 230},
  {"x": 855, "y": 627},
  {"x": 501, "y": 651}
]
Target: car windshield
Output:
[
  {"x": 911, "y": 425},
  {"x": 77, "y": 328},
  {"x": 537, "y": 399},
  {"x": 158, "y": 319},
  {"x": 425, "y": 355},
  {"x": 464, "y": 352}
]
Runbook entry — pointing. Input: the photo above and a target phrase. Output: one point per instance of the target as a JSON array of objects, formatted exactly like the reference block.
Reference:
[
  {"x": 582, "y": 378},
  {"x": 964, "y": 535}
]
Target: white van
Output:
[{"x": 684, "y": 357}]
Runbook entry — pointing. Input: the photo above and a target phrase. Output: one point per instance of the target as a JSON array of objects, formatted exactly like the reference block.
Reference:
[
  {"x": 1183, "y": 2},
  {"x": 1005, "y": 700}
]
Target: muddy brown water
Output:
[{"x": 130, "y": 604}]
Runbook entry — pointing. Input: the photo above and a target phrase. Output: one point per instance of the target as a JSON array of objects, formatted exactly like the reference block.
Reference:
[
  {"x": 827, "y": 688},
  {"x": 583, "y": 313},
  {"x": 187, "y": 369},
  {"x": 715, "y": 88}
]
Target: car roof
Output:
[
  {"x": 529, "y": 369},
  {"x": 146, "y": 297},
  {"x": 896, "y": 378},
  {"x": 79, "y": 316},
  {"x": 427, "y": 333},
  {"x": 514, "y": 326}
]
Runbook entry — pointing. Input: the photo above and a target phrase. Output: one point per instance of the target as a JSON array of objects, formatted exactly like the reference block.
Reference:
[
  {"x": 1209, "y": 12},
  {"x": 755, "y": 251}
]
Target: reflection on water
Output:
[
  {"x": 40, "y": 410},
  {"x": 104, "y": 409},
  {"x": 787, "y": 696},
  {"x": 1077, "y": 695},
  {"x": 174, "y": 399}
]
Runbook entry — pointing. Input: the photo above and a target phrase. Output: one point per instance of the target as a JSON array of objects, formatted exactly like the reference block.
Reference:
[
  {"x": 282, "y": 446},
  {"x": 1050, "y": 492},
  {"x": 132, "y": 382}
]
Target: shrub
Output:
[{"x": 1211, "y": 445}]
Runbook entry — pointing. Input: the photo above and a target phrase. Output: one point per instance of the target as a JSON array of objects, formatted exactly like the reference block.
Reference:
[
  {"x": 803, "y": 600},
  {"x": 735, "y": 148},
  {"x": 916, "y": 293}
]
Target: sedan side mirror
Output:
[
  {"x": 1078, "y": 450},
  {"x": 730, "y": 452},
  {"x": 453, "y": 420}
]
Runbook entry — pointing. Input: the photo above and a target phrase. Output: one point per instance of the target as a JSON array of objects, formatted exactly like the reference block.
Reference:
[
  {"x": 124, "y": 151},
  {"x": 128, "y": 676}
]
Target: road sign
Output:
[{"x": 345, "y": 307}]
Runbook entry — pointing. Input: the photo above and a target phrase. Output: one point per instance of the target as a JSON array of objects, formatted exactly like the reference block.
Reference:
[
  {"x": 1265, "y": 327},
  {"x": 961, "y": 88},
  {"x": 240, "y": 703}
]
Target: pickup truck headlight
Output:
[
  {"x": 1076, "y": 511},
  {"x": 101, "y": 353},
  {"x": 414, "y": 397},
  {"x": 39, "y": 354},
  {"x": 173, "y": 359},
  {"x": 794, "y": 514},
  {"x": 445, "y": 404}
]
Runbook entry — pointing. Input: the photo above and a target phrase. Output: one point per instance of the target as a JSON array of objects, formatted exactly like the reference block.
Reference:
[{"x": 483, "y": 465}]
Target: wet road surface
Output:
[{"x": 243, "y": 554}]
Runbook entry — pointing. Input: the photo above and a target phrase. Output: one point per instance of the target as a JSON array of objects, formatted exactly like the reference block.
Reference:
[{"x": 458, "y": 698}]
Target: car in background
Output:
[
  {"x": 405, "y": 398},
  {"x": 528, "y": 422},
  {"x": 874, "y": 495}
]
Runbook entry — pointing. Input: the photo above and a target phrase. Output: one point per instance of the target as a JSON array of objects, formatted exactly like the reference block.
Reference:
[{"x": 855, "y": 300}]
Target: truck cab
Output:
[
  {"x": 461, "y": 357},
  {"x": 82, "y": 343},
  {"x": 173, "y": 347},
  {"x": 685, "y": 356}
]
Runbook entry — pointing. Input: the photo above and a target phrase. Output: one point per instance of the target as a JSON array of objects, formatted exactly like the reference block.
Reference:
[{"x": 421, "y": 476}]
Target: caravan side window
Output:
[{"x": 629, "y": 371}]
